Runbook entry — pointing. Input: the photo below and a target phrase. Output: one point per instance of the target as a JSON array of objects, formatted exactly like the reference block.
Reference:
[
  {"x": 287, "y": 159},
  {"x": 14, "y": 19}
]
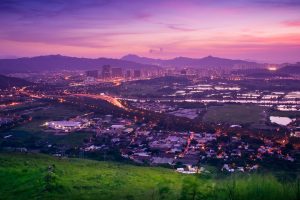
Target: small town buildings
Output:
[{"x": 65, "y": 126}]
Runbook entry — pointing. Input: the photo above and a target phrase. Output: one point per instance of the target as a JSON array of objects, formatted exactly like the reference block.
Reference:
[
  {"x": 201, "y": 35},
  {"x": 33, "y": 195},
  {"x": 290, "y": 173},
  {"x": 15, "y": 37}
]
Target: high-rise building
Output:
[
  {"x": 116, "y": 72},
  {"x": 106, "y": 71},
  {"x": 183, "y": 72},
  {"x": 137, "y": 73},
  {"x": 92, "y": 73},
  {"x": 128, "y": 74}
]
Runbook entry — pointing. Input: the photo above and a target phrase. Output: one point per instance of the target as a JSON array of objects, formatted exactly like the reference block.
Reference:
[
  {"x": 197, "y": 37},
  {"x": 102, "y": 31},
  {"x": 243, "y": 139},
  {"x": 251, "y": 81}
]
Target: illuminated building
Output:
[
  {"x": 106, "y": 71},
  {"x": 128, "y": 74},
  {"x": 116, "y": 72},
  {"x": 137, "y": 74},
  {"x": 92, "y": 73}
]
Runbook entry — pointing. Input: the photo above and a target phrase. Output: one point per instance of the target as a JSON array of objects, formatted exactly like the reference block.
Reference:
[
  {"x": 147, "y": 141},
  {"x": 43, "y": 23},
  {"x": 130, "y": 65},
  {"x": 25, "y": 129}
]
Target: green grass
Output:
[
  {"x": 27, "y": 176},
  {"x": 23, "y": 139},
  {"x": 235, "y": 114},
  {"x": 71, "y": 140}
]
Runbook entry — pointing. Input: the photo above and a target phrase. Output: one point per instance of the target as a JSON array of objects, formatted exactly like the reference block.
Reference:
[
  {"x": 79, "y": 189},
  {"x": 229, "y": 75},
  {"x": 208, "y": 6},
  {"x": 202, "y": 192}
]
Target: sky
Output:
[{"x": 256, "y": 30}]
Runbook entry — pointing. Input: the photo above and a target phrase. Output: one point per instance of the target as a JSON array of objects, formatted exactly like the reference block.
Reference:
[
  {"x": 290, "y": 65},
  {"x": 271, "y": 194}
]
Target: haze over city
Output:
[{"x": 256, "y": 30}]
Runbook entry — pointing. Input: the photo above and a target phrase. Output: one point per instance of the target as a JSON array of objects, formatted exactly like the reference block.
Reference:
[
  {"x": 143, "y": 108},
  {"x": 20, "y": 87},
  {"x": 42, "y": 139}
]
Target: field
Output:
[
  {"x": 36, "y": 176},
  {"x": 52, "y": 112},
  {"x": 236, "y": 114},
  {"x": 33, "y": 132},
  {"x": 156, "y": 87}
]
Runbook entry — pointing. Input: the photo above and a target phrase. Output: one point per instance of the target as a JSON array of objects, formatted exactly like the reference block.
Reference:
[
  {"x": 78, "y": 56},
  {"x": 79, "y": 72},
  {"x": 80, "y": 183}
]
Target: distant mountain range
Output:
[
  {"x": 59, "y": 62},
  {"x": 8, "y": 82},
  {"x": 285, "y": 71},
  {"x": 198, "y": 63}
]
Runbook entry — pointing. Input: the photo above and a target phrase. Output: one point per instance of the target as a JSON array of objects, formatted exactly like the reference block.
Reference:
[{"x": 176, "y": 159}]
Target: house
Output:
[
  {"x": 162, "y": 160},
  {"x": 118, "y": 127},
  {"x": 188, "y": 170},
  {"x": 64, "y": 125}
]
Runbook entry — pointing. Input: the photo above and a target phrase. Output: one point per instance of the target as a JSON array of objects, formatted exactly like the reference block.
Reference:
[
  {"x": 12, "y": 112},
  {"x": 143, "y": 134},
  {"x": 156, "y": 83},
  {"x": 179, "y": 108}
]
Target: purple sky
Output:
[{"x": 261, "y": 30}]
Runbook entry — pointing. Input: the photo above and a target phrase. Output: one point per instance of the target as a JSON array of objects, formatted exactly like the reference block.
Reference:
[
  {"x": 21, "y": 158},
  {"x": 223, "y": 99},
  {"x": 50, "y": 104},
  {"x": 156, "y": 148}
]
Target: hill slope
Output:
[
  {"x": 36, "y": 176},
  {"x": 7, "y": 82},
  {"x": 290, "y": 69}
]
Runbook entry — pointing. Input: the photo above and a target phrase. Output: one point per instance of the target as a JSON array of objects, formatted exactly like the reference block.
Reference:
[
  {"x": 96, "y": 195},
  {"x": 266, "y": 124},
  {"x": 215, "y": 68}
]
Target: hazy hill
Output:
[
  {"x": 56, "y": 62},
  {"x": 290, "y": 69},
  {"x": 285, "y": 71},
  {"x": 7, "y": 82},
  {"x": 181, "y": 62}
]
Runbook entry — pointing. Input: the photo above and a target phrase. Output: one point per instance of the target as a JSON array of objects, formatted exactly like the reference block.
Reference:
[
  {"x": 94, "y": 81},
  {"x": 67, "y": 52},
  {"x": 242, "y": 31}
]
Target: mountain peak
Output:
[
  {"x": 210, "y": 57},
  {"x": 130, "y": 56}
]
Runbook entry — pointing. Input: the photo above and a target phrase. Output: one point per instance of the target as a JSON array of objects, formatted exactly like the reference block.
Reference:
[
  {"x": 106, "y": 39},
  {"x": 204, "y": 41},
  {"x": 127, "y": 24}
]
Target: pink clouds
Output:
[
  {"x": 292, "y": 23},
  {"x": 91, "y": 28}
]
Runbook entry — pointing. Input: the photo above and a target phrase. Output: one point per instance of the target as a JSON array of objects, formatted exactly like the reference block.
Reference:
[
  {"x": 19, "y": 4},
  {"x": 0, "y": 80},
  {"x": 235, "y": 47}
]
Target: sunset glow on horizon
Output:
[{"x": 259, "y": 30}]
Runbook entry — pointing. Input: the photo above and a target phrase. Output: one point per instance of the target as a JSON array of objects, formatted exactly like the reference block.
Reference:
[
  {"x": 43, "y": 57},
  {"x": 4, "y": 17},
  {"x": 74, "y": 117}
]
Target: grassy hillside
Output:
[{"x": 36, "y": 176}]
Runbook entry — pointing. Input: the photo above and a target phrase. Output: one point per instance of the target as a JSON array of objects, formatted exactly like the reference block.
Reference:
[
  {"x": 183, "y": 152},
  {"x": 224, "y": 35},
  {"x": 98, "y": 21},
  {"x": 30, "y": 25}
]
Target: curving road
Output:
[{"x": 104, "y": 97}]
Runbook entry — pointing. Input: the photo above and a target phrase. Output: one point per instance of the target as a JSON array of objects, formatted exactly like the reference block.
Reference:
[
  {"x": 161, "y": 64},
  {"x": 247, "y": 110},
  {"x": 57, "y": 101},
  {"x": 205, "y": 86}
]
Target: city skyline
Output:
[{"x": 259, "y": 30}]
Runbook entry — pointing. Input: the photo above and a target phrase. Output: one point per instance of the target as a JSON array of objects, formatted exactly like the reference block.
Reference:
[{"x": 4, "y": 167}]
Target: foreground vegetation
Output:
[{"x": 36, "y": 176}]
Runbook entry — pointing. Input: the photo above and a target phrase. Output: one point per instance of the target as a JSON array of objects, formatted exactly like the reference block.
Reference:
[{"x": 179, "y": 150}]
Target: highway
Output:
[{"x": 104, "y": 97}]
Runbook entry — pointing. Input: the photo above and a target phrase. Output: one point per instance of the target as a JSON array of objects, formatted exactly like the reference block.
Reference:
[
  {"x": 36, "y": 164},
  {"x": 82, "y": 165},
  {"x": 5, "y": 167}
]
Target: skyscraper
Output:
[
  {"x": 106, "y": 71},
  {"x": 92, "y": 73},
  {"x": 128, "y": 74},
  {"x": 137, "y": 74},
  {"x": 183, "y": 72},
  {"x": 116, "y": 72}
]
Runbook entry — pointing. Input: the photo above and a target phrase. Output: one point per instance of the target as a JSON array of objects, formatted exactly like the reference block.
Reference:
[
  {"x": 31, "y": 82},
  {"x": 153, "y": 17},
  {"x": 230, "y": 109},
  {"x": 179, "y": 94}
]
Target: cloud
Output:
[
  {"x": 143, "y": 16},
  {"x": 156, "y": 51},
  {"x": 179, "y": 28},
  {"x": 292, "y": 23},
  {"x": 278, "y": 3},
  {"x": 114, "y": 26}
]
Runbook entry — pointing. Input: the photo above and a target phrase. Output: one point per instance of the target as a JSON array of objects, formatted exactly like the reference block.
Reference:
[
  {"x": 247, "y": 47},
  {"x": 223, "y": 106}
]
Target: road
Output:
[{"x": 104, "y": 97}]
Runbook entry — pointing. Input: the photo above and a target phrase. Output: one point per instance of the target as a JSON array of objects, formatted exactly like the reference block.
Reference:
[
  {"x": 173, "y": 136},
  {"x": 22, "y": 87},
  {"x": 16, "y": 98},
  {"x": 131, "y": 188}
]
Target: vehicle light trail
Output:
[{"x": 104, "y": 97}]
